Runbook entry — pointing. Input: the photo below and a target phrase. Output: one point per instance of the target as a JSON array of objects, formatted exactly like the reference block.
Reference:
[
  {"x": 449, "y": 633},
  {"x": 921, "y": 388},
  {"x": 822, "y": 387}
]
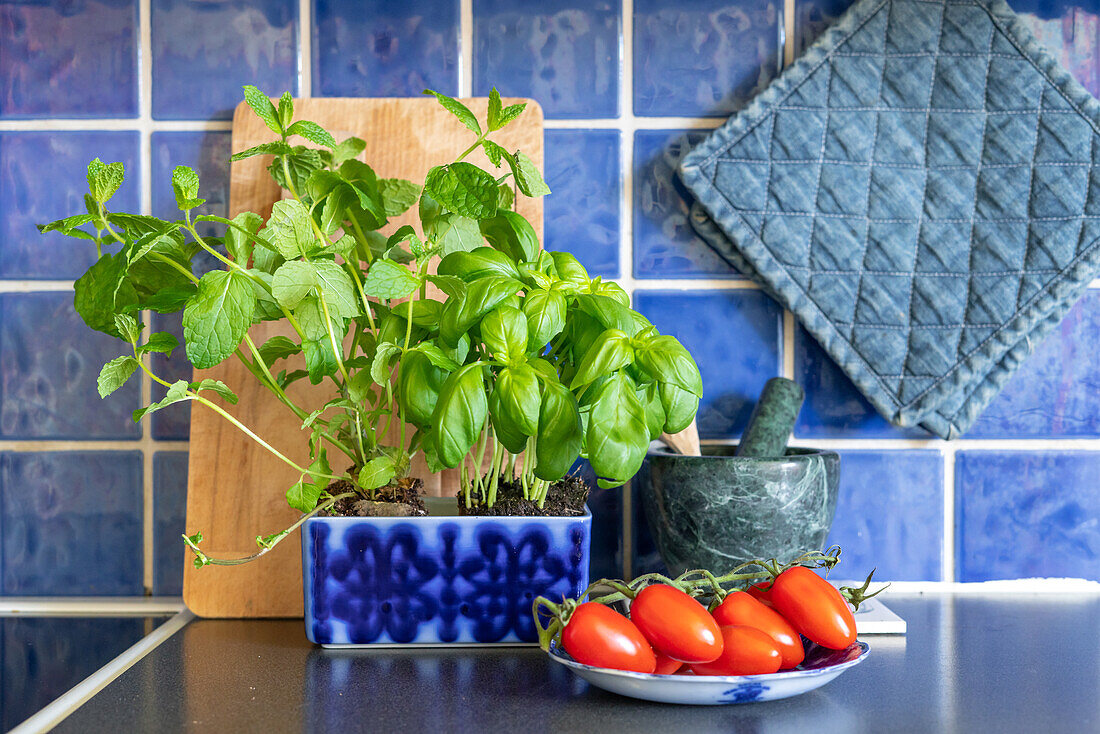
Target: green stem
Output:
[{"x": 176, "y": 265}]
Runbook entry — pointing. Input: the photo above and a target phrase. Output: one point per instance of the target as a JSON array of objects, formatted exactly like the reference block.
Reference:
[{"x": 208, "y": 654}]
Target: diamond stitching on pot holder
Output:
[{"x": 919, "y": 189}]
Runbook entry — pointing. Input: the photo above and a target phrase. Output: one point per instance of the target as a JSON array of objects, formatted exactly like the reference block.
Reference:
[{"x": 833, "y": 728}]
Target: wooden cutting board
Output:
[{"x": 236, "y": 489}]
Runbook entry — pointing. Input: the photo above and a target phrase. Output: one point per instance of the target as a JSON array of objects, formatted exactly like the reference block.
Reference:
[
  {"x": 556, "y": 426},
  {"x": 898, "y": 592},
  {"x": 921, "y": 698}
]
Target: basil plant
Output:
[{"x": 459, "y": 339}]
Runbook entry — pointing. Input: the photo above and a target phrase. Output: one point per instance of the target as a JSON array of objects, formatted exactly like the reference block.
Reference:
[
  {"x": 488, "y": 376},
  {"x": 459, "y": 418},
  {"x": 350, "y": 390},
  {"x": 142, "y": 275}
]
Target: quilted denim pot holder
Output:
[{"x": 919, "y": 190}]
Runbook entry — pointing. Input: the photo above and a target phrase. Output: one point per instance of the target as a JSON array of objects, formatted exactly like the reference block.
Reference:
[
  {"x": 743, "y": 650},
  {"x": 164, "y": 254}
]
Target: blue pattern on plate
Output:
[
  {"x": 42, "y": 178},
  {"x": 744, "y": 693},
  {"x": 203, "y": 53},
  {"x": 374, "y": 48},
  {"x": 68, "y": 59},
  {"x": 437, "y": 579},
  {"x": 703, "y": 58},
  {"x": 48, "y": 386},
  {"x": 890, "y": 515},
  {"x": 1022, "y": 514},
  {"x": 734, "y": 368},
  {"x": 563, "y": 53},
  {"x": 71, "y": 523},
  {"x": 582, "y": 213},
  {"x": 169, "y": 514},
  {"x": 665, "y": 245}
]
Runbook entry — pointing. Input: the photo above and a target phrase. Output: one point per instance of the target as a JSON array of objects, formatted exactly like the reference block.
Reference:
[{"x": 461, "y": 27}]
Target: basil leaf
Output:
[
  {"x": 481, "y": 296},
  {"x": 478, "y": 263},
  {"x": 545, "y": 312},
  {"x": 504, "y": 331},
  {"x": 617, "y": 437},
  {"x": 560, "y": 433},
  {"x": 610, "y": 352},
  {"x": 418, "y": 386},
  {"x": 376, "y": 473},
  {"x": 511, "y": 234},
  {"x": 680, "y": 407},
  {"x": 517, "y": 396},
  {"x": 665, "y": 359},
  {"x": 459, "y": 414}
]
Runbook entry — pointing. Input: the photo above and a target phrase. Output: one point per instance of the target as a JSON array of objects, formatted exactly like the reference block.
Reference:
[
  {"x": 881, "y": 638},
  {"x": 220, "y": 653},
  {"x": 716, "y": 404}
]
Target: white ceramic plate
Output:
[{"x": 820, "y": 666}]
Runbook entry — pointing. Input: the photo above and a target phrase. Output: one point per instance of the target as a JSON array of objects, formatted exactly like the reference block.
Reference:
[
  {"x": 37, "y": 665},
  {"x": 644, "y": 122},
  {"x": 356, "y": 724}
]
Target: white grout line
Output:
[
  {"x": 949, "y": 562},
  {"x": 305, "y": 48},
  {"x": 626, "y": 224},
  {"x": 465, "y": 48},
  {"x": 104, "y": 606},
  {"x": 695, "y": 284},
  {"x": 1052, "y": 586},
  {"x": 787, "y": 335},
  {"x": 938, "y": 444},
  {"x": 32, "y": 446},
  {"x": 78, "y": 695},
  {"x": 789, "y": 32},
  {"x": 145, "y": 97}
]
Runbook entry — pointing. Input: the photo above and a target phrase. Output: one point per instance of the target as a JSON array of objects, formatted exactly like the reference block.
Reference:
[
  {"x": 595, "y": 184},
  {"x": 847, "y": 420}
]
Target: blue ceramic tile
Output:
[
  {"x": 204, "y": 52},
  {"x": 702, "y": 57},
  {"x": 71, "y": 523},
  {"x": 812, "y": 18},
  {"x": 206, "y": 152},
  {"x": 735, "y": 338},
  {"x": 582, "y": 213},
  {"x": 606, "y": 554},
  {"x": 68, "y": 59},
  {"x": 890, "y": 515},
  {"x": 1056, "y": 392},
  {"x": 169, "y": 514},
  {"x": 1023, "y": 514},
  {"x": 563, "y": 53},
  {"x": 43, "y": 177},
  {"x": 49, "y": 363},
  {"x": 1070, "y": 30},
  {"x": 665, "y": 245},
  {"x": 834, "y": 408},
  {"x": 174, "y": 422},
  {"x": 375, "y": 48}
]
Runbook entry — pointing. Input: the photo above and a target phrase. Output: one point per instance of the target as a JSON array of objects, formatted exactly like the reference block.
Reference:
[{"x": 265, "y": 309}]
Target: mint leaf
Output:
[
  {"x": 162, "y": 342},
  {"x": 237, "y": 242},
  {"x": 104, "y": 179},
  {"x": 495, "y": 152},
  {"x": 274, "y": 148},
  {"x": 463, "y": 235},
  {"x": 338, "y": 290},
  {"x": 286, "y": 110},
  {"x": 102, "y": 292},
  {"x": 376, "y": 473},
  {"x": 511, "y": 112},
  {"x": 313, "y": 132},
  {"x": 66, "y": 225},
  {"x": 347, "y": 149},
  {"x": 464, "y": 189},
  {"x": 301, "y": 161},
  {"x": 115, "y": 374},
  {"x": 261, "y": 105},
  {"x": 459, "y": 110},
  {"x": 128, "y": 327},
  {"x": 397, "y": 195},
  {"x": 387, "y": 279},
  {"x": 177, "y": 392},
  {"x": 528, "y": 178},
  {"x": 289, "y": 229},
  {"x": 217, "y": 317},
  {"x": 494, "y": 109},
  {"x": 292, "y": 282},
  {"x": 185, "y": 184},
  {"x": 216, "y": 386},
  {"x": 278, "y": 347},
  {"x": 303, "y": 496}
]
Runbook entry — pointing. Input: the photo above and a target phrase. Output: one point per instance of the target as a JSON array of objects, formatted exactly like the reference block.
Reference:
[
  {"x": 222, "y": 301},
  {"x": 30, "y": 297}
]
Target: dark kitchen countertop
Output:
[{"x": 970, "y": 663}]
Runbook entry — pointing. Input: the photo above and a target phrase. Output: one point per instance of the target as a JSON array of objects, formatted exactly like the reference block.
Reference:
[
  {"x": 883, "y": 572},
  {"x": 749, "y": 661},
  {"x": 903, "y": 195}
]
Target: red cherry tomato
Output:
[
  {"x": 814, "y": 607},
  {"x": 666, "y": 665},
  {"x": 741, "y": 609},
  {"x": 600, "y": 636},
  {"x": 745, "y": 651},
  {"x": 676, "y": 625}
]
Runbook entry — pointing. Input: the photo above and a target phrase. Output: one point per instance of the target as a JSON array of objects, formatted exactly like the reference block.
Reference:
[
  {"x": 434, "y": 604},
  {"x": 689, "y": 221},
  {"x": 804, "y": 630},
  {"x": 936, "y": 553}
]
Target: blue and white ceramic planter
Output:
[{"x": 437, "y": 579}]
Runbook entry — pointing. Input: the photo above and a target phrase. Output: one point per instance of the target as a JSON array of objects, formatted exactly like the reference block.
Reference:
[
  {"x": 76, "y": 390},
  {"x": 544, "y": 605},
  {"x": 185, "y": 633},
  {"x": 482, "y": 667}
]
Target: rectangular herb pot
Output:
[{"x": 437, "y": 580}]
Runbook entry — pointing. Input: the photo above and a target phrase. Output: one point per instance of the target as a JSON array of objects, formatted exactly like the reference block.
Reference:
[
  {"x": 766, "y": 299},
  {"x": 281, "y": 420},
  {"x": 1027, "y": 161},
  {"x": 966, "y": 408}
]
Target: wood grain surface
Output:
[{"x": 236, "y": 489}]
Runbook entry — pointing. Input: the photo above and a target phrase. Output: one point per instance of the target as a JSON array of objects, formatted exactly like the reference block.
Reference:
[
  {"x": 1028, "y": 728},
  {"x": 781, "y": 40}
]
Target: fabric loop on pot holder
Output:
[{"x": 920, "y": 189}]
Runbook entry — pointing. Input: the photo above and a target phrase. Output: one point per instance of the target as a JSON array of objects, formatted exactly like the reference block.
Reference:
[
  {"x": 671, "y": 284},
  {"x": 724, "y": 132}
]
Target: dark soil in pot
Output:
[
  {"x": 401, "y": 499},
  {"x": 565, "y": 498}
]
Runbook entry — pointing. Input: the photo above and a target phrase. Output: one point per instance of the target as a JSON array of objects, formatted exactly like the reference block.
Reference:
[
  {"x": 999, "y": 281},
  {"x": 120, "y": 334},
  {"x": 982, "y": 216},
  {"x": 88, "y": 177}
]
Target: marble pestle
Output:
[{"x": 772, "y": 420}]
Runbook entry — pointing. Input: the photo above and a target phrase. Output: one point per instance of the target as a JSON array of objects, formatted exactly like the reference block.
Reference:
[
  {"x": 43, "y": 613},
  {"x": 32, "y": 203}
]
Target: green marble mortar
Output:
[{"x": 719, "y": 510}]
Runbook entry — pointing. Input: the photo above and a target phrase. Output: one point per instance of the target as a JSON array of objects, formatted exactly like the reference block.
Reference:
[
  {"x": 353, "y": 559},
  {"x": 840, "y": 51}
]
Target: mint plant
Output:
[{"x": 504, "y": 353}]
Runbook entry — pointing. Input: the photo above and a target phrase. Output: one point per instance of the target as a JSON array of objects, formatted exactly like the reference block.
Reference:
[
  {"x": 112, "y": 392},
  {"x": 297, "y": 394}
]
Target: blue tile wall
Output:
[
  {"x": 702, "y": 57},
  {"x": 665, "y": 245},
  {"x": 736, "y": 365},
  {"x": 690, "y": 64},
  {"x": 68, "y": 59},
  {"x": 173, "y": 422},
  {"x": 564, "y": 53},
  {"x": 169, "y": 513},
  {"x": 890, "y": 515},
  {"x": 384, "y": 49},
  {"x": 582, "y": 215},
  {"x": 48, "y": 385},
  {"x": 607, "y": 525},
  {"x": 1023, "y": 514},
  {"x": 71, "y": 523},
  {"x": 203, "y": 53},
  {"x": 42, "y": 178}
]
